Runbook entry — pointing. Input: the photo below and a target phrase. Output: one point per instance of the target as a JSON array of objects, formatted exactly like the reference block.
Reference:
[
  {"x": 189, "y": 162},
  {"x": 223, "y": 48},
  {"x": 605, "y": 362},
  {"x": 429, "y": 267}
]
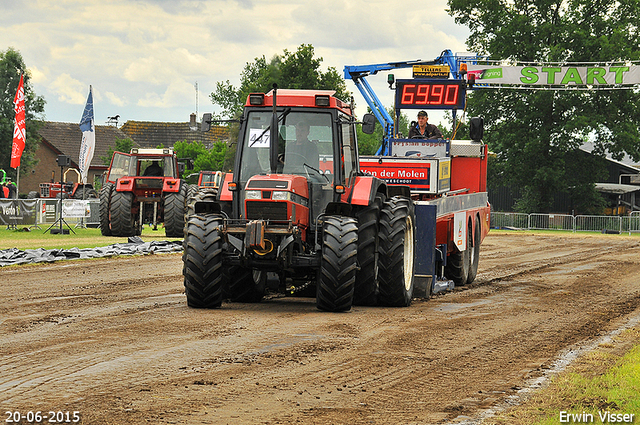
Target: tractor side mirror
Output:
[
  {"x": 476, "y": 128},
  {"x": 206, "y": 122},
  {"x": 368, "y": 123}
]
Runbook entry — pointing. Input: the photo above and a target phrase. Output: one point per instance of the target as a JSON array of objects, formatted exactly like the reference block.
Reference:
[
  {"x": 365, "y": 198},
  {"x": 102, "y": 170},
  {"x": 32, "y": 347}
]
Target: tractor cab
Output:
[{"x": 296, "y": 177}]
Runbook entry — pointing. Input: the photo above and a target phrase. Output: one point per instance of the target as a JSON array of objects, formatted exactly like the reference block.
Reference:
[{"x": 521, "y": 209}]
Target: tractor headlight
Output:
[
  {"x": 278, "y": 195},
  {"x": 253, "y": 194}
]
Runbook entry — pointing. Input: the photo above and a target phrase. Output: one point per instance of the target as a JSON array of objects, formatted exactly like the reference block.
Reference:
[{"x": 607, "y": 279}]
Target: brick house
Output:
[
  {"x": 153, "y": 134},
  {"x": 60, "y": 138},
  {"x": 64, "y": 139}
]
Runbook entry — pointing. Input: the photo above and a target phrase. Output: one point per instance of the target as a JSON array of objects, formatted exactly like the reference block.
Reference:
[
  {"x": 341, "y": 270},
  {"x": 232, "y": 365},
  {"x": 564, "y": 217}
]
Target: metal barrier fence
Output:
[
  {"x": 578, "y": 223},
  {"x": 43, "y": 212}
]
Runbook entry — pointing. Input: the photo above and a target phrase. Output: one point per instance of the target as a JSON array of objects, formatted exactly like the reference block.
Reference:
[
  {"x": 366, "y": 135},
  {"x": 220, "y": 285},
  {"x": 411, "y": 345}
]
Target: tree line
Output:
[{"x": 532, "y": 134}]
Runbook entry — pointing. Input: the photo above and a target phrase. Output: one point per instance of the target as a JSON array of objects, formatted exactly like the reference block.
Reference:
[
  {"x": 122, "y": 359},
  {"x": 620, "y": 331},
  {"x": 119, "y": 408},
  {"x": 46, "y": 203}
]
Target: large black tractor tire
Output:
[
  {"x": 459, "y": 263},
  {"x": 105, "y": 202},
  {"x": 202, "y": 261},
  {"x": 366, "y": 286},
  {"x": 123, "y": 220},
  {"x": 475, "y": 253},
  {"x": 396, "y": 252},
  {"x": 337, "y": 274},
  {"x": 192, "y": 191},
  {"x": 175, "y": 207},
  {"x": 205, "y": 194},
  {"x": 33, "y": 194},
  {"x": 245, "y": 285},
  {"x": 85, "y": 193}
]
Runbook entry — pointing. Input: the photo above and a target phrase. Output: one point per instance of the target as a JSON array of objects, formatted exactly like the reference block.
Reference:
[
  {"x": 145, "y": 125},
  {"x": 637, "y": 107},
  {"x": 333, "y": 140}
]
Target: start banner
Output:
[{"x": 557, "y": 76}]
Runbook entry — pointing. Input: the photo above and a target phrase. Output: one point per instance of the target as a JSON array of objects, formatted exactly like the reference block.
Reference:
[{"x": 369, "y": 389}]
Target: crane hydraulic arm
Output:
[{"x": 358, "y": 74}]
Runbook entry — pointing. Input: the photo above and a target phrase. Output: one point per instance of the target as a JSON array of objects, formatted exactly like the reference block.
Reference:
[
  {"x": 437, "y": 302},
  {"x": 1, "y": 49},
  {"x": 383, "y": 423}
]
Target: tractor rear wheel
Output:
[
  {"x": 105, "y": 202},
  {"x": 366, "y": 286},
  {"x": 202, "y": 261},
  {"x": 85, "y": 193},
  {"x": 475, "y": 253},
  {"x": 205, "y": 194},
  {"x": 123, "y": 220},
  {"x": 337, "y": 274},
  {"x": 397, "y": 251},
  {"x": 459, "y": 263},
  {"x": 175, "y": 206}
]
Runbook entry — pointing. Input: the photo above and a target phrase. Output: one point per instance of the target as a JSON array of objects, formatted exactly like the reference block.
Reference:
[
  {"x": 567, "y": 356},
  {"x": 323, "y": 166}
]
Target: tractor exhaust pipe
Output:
[{"x": 273, "y": 135}]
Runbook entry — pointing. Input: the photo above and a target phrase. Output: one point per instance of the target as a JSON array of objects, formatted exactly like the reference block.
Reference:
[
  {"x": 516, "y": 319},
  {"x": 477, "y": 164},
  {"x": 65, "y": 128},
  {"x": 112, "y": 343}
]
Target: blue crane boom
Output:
[{"x": 358, "y": 74}]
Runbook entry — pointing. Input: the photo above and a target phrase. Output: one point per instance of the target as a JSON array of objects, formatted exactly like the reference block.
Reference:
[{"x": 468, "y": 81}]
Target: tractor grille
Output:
[{"x": 276, "y": 211}]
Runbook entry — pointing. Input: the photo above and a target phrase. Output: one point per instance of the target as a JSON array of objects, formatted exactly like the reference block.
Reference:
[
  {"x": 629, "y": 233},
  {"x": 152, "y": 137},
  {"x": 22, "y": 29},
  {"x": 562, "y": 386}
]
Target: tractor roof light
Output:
[
  {"x": 233, "y": 186},
  {"x": 256, "y": 99},
  {"x": 339, "y": 189},
  {"x": 463, "y": 68},
  {"x": 323, "y": 100}
]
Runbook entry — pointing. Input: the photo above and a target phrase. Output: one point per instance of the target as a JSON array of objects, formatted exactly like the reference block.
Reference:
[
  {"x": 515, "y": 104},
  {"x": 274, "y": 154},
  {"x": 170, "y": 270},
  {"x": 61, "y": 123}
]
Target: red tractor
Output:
[
  {"x": 143, "y": 187},
  {"x": 65, "y": 189},
  {"x": 300, "y": 221}
]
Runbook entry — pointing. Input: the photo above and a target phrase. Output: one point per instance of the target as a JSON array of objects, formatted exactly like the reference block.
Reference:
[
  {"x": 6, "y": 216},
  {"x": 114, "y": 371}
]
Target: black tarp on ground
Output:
[{"x": 135, "y": 246}]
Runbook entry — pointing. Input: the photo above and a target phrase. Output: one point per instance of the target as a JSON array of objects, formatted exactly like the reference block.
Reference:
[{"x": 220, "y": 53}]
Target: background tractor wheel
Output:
[
  {"x": 338, "y": 265},
  {"x": 458, "y": 264},
  {"x": 205, "y": 194},
  {"x": 105, "y": 202},
  {"x": 121, "y": 214},
  {"x": 85, "y": 193},
  {"x": 474, "y": 255},
  {"x": 397, "y": 251},
  {"x": 175, "y": 207},
  {"x": 366, "y": 286},
  {"x": 202, "y": 261}
]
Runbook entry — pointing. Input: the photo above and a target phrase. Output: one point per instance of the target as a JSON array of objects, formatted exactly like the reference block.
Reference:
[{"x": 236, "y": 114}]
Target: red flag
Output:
[{"x": 20, "y": 129}]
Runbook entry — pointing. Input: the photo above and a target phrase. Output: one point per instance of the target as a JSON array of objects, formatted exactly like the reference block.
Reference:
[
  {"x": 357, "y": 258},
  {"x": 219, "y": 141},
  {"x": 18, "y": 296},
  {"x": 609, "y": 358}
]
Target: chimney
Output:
[{"x": 192, "y": 122}]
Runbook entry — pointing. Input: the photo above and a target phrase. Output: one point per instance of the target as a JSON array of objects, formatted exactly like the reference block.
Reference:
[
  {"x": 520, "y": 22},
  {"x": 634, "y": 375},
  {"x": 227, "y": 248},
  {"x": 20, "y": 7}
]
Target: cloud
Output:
[
  {"x": 69, "y": 90},
  {"x": 115, "y": 100},
  {"x": 145, "y": 55}
]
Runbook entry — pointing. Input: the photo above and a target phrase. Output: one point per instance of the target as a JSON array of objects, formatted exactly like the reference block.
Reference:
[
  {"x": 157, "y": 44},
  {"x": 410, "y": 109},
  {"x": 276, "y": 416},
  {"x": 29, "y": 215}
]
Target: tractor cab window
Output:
[
  {"x": 151, "y": 168},
  {"x": 305, "y": 145},
  {"x": 349, "y": 152},
  {"x": 121, "y": 166}
]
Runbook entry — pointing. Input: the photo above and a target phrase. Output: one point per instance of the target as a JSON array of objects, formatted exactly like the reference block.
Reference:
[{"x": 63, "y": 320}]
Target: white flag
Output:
[{"x": 88, "y": 145}]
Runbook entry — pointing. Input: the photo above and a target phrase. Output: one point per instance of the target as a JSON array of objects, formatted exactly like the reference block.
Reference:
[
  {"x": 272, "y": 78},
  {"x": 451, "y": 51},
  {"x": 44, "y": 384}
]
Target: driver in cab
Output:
[
  {"x": 424, "y": 130},
  {"x": 302, "y": 150}
]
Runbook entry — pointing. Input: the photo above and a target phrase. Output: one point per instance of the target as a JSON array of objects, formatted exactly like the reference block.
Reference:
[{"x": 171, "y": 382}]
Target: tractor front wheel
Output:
[
  {"x": 339, "y": 263},
  {"x": 105, "y": 202},
  {"x": 175, "y": 207},
  {"x": 202, "y": 261},
  {"x": 123, "y": 220}
]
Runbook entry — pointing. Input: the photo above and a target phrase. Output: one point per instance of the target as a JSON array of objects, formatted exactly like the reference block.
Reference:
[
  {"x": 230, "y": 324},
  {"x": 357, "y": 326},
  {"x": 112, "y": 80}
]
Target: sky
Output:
[{"x": 145, "y": 58}]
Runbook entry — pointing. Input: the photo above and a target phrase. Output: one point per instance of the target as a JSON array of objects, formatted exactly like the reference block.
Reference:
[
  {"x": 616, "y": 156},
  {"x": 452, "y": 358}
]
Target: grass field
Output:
[{"x": 79, "y": 238}]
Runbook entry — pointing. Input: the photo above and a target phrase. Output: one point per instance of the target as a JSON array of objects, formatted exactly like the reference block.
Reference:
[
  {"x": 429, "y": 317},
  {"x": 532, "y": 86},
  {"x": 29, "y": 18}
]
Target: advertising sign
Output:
[
  {"x": 423, "y": 175},
  {"x": 17, "y": 211},
  {"x": 550, "y": 75}
]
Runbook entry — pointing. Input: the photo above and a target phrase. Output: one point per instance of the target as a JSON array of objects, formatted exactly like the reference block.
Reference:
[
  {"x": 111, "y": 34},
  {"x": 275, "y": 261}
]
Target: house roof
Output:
[
  {"x": 65, "y": 139},
  {"x": 617, "y": 189},
  {"x": 150, "y": 134}
]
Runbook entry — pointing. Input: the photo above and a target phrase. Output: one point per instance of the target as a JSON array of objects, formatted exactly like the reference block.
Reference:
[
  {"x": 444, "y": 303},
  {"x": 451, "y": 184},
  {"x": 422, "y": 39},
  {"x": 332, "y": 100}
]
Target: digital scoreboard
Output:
[{"x": 430, "y": 94}]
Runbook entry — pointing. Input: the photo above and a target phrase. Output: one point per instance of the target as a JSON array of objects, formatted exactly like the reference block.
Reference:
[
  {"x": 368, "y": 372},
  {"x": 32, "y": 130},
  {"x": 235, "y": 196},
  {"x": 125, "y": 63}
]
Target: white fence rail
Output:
[{"x": 577, "y": 223}]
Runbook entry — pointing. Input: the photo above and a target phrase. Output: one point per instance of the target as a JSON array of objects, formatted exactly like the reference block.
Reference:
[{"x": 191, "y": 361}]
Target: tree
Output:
[
  {"x": 203, "y": 159},
  {"x": 532, "y": 132},
  {"x": 368, "y": 144},
  {"x": 11, "y": 64},
  {"x": 292, "y": 70},
  {"x": 121, "y": 145}
]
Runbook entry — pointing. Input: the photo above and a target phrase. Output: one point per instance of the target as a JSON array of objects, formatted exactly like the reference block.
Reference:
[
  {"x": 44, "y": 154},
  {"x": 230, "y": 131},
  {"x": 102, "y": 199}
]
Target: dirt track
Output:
[{"x": 114, "y": 340}]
